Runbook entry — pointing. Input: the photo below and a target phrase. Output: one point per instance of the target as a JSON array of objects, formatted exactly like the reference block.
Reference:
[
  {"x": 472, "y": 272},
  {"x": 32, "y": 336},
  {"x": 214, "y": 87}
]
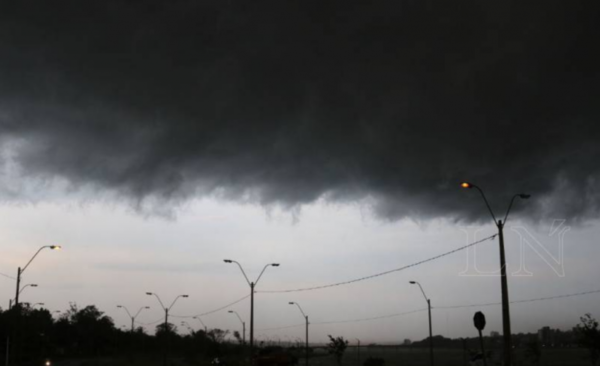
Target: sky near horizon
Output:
[
  {"x": 154, "y": 139},
  {"x": 112, "y": 256}
]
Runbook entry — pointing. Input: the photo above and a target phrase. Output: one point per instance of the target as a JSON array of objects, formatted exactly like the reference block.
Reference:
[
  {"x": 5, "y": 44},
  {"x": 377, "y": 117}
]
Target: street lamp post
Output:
[
  {"x": 503, "y": 279},
  {"x": 37, "y": 303},
  {"x": 430, "y": 329},
  {"x": 166, "y": 309},
  {"x": 20, "y": 271},
  {"x": 305, "y": 318},
  {"x": 17, "y": 292},
  {"x": 134, "y": 316},
  {"x": 252, "y": 285},
  {"x": 243, "y": 326},
  {"x": 358, "y": 350},
  {"x": 201, "y": 322}
]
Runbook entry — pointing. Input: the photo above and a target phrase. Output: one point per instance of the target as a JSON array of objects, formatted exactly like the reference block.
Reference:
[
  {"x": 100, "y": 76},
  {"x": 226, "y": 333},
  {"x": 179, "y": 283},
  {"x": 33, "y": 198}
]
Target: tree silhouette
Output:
[
  {"x": 589, "y": 336},
  {"x": 337, "y": 347},
  {"x": 163, "y": 330}
]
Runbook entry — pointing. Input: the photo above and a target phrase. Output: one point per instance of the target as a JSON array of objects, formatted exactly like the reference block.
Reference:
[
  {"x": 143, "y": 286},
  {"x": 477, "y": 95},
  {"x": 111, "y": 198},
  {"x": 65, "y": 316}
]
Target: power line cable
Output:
[
  {"x": 7, "y": 276},
  {"x": 519, "y": 301},
  {"x": 348, "y": 321},
  {"x": 151, "y": 323},
  {"x": 284, "y": 327},
  {"x": 369, "y": 319},
  {"x": 213, "y": 311},
  {"x": 382, "y": 273},
  {"x": 437, "y": 307}
]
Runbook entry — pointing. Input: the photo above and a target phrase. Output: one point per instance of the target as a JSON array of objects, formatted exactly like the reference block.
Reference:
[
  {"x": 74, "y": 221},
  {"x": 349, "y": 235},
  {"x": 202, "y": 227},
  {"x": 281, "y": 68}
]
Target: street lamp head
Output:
[
  {"x": 227, "y": 261},
  {"x": 119, "y": 306},
  {"x": 275, "y": 264},
  {"x": 185, "y": 296},
  {"x": 466, "y": 185},
  {"x": 55, "y": 247},
  {"x": 291, "y": 303},
  {"x": 412, "y": 282},
  {"x": 33, "y": 285},
  {"x": 149, "y": 293},
  {"x": 230, "y": 311},
  {"x": 147, "y": 307},
  {"x": 524, "y": 196}
]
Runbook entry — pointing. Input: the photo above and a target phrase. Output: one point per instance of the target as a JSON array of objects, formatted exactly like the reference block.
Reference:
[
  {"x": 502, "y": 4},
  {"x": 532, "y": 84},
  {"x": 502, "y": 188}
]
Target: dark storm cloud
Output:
[{"x": 286, "y": 102}]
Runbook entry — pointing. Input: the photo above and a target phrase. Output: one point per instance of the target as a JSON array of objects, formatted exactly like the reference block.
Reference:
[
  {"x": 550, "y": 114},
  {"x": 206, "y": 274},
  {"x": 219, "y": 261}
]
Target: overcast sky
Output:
[{"x": 153, "y": 139}]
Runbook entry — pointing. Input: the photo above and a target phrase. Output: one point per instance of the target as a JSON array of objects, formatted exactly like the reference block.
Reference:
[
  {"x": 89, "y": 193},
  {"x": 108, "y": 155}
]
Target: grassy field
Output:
[
  {"x": 393, "y": 357},
  {"x": 450, "y": 357}
]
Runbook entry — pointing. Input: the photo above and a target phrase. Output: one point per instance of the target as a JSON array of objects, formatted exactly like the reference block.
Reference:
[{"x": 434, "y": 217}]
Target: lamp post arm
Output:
[
  {"x": 22, "y": 288},
  {"x": 173, "y": 303},
  {"x": 510, "y": 206},
  {"x": 423, "y": 291},
  {"x": 261, "y": 273},
  {"x": 244, "y": 273},
  {"x": 299, "y": 307},
  {"x": 161, "y": 303},
  {"x": 487, "y": 204},
  {"x": 238, "y": 315},
  {"x": 128, "y": 313},
  {"x": 27, "y": 285},
  {"x": 201, "y": 322},
  {"x": 138, "y": 313},
  {"x": 32, "y": 258}
]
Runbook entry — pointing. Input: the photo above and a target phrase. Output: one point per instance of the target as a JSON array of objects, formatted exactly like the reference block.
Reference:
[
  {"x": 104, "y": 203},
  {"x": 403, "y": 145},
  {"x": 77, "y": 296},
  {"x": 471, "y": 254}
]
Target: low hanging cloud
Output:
[{"x": 285, "y": 103}]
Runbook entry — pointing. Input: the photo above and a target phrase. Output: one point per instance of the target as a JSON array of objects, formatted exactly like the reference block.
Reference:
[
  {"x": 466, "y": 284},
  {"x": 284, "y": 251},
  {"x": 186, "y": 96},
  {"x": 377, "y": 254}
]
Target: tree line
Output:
[{"x": 33, "y": 335}]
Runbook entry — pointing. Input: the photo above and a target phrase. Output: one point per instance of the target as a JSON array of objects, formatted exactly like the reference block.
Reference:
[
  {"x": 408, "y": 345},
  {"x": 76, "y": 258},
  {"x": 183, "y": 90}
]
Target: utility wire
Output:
[
  {"x": 7, "y": 276},
  {"x": 519, "y": 301},
  {"x": 348, "y": 321},
  {"x": 152, "y": 323},
  {"x": 284, "y": 327},
  {"x": 383, "y": 273},
  {"x": 213, "y": 311},
  {"x": 369, "y": 319},
  {"x": 438, "y": 307}
]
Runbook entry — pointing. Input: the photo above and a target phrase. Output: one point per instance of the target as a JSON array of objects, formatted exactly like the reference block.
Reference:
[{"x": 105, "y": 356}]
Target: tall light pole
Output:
[
  {"x": 20, "y": 271},
  {"x": 430, "y": 329},
  {"x": 252, "y": 285},
  {"x": 166, "y": 309},
  {"x": 305, "y": 318},
  {"x": 503, "y": 279},
  {"x": 133, "y": 316},
  {"x": 243, "y": 326},
  {"x": 17, "y": 292}
]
